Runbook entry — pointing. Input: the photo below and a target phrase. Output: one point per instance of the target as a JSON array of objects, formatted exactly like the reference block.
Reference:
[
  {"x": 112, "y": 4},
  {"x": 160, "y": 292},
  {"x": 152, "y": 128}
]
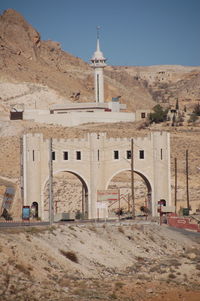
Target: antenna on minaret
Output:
[{"x": 98, "y": 31}]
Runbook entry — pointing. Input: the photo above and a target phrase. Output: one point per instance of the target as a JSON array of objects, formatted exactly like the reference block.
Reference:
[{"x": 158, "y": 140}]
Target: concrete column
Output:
[{"x": 99, "y": 85}]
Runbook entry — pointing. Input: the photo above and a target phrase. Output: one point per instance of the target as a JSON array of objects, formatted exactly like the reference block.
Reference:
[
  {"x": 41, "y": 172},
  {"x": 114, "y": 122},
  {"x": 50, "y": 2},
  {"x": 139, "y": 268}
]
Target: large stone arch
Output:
[
  {"x": 85, "y": 192},
  {"x": 97, "y": 164},
  {"x": 145, "y": 178}
]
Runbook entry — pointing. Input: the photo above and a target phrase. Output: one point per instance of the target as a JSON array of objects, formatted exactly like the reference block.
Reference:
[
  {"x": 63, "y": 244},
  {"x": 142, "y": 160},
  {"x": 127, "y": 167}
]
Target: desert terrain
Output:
[{"x": 117, "y": 261}]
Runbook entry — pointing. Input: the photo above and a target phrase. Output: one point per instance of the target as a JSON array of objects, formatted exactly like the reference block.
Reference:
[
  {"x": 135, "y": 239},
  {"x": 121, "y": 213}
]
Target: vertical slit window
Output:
[
  {"x": 98, "y": 154},
  {"x": 97, "y": 87},
  {"x": 78, "y": 155},
  {"x": 141, "y": 154},
  {"x": 161, "y": 154},
  {"x": 116, "y": 154},
  {"x": 33, "y": 155},
  {"x": 65, "y": 156},
  {"x": 128, "y": 154},
  {"x": 53, "y": 156}
]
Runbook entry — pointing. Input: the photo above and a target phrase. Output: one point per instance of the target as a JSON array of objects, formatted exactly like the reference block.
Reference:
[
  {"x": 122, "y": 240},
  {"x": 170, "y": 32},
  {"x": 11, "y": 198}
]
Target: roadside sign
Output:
[
  {"x": 101, "y": 205},
  {"x": 109, "y": 195},
  {"x": 26, "y": 212}
]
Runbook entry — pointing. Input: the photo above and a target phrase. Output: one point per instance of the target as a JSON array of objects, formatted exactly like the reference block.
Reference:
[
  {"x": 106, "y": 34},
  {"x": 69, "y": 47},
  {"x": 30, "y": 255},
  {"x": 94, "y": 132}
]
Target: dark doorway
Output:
[{"x": 34, "y": 210}]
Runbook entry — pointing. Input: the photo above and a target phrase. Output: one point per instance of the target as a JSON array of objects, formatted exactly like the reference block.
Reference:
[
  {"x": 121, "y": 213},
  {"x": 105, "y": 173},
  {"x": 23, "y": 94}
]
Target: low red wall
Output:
[{"x": 184, "y": 223}]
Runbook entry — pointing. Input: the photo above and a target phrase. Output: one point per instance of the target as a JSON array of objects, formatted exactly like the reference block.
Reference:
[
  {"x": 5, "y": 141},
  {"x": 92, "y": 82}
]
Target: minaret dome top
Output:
[{"x": 98, "y": 60}]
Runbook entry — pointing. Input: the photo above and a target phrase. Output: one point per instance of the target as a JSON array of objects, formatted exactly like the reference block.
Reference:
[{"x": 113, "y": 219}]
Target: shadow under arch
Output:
[
  {"x": 146, "y": 181},
  {"x": 85, "y": 190}
]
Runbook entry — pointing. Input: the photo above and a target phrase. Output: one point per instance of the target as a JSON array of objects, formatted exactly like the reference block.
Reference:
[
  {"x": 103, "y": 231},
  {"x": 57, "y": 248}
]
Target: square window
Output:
[
  {"x": 53, "y": 156},
  {"x": 143, "y": 115},
  {"x": 65, "y": 156},
  {"x": 141, "y": 154},
  {"x": 116, "y": 154},
  {"x": 78, "y": 155},
  {"x": 128, "y": 154}
]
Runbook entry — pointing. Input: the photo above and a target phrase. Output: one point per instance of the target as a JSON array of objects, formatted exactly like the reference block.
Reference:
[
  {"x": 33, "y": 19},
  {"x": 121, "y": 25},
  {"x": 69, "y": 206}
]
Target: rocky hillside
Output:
[
  {"x": 118, "y": 261},
  {"x": 166, "y": 84},
  {"x": 25, "y": 57}
]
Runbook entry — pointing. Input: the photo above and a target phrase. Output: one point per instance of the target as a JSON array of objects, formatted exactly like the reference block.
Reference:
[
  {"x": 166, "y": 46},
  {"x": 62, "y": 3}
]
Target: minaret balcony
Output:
[{"x": 99, "y": 63}]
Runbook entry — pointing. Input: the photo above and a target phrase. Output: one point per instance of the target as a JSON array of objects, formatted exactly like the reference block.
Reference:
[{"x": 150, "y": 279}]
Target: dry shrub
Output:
[
  {"x": 121, "y": 230},
  {"x": 119, "y": 285},
  {"x": 69, "y": 255},
  {"x": 24, "y": 269},
  {"x": 171, "y": 276},
  {"x": 92, "y": 228}
]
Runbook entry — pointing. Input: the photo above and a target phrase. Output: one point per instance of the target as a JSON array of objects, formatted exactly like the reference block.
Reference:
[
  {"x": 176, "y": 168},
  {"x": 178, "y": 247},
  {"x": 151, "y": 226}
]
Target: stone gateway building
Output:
[{"x": 95, "y": 160}]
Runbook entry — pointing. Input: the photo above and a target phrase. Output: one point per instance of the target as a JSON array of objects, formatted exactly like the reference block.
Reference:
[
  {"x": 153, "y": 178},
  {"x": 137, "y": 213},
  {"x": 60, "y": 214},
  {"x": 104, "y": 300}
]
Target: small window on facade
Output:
[
  {"x": 141, "y": 154},
  {"x": 116, "y": 154},
  {"x": 33, "y": 155},
  {"x": 98, "y": 155},
  {"x": 161, "y": 154},
  {"x": 65, "y": 156},
  {"x": 53, "y": 156},
  {"x": 143, "y": 115},
  {"x": 78, "y": 155},
  {"x": 128, "y": 154}
]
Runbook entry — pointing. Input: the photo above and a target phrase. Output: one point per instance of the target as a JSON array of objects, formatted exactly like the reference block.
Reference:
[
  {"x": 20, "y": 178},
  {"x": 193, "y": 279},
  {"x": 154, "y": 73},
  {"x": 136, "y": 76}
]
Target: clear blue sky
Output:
[{"x": 133, "y": 32}]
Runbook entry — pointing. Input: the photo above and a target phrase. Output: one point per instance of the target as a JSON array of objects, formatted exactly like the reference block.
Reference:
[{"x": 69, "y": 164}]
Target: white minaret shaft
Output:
[{"x": 98, "y": 63}]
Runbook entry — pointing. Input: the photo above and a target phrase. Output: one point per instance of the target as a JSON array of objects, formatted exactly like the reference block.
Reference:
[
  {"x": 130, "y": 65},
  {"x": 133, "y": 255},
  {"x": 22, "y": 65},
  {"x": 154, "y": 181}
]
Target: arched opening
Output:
[
  {"x": 121, "y": 182},
  {"x": 34, "y": 210},
  {"x": 70, "y": 195}
]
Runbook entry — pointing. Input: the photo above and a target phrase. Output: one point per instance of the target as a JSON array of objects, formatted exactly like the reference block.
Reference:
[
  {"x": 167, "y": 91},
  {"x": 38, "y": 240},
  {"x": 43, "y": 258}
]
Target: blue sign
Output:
[{"x": 26, "y": 212}]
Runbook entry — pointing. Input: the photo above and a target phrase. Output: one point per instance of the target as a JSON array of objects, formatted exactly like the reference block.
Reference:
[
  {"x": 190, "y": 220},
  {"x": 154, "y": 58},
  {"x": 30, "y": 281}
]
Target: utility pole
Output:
[
  {"x": 51, "y": 211},
  {"x": 83, "y": 202},
  {"x": 132, "y": 180},
  {"x": 175, "y": 185},
  {"x": 22, "y": 153},
  {"x": 187, "y": 181}
]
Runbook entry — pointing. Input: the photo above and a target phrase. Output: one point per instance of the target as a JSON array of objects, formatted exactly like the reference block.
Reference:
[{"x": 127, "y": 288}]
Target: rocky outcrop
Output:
[{"x": 18, "y": 36}]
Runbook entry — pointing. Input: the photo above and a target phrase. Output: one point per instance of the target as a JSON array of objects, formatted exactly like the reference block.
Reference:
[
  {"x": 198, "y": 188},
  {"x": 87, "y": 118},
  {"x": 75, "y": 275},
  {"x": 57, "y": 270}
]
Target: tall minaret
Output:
[{"x": 98, "y": 63}]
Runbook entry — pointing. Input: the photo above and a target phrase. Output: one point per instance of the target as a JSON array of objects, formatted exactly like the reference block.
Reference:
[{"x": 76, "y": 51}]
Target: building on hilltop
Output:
[{"x": 73, "y": 114}]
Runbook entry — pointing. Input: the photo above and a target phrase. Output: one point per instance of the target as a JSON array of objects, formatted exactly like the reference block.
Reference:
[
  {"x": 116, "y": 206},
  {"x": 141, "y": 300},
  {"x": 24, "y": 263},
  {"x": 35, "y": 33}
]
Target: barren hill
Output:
[
  {"x": 119, "y": 261},
  {"x": 25, "y": 57}
]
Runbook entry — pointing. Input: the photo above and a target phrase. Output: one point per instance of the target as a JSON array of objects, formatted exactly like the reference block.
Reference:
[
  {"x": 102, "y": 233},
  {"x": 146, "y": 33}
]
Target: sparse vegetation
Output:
[
  {"x": 119, "y": 285},
  {"x": 193, "y": 118},
  {"x": 121, "y": 229},
  {"x": 92, "y": 228},
  {"x": 70, "y": 255},
  {"x": 171, "y": 276},
  {"x": 159, "y": 114},
  {"x": 23, "y": 269},
  {"x": 196, "y": 110}
]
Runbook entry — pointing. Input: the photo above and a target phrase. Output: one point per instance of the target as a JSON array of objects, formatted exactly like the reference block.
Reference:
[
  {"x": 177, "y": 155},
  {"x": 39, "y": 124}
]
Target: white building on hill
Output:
[{"x": 73, "y": 114}]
